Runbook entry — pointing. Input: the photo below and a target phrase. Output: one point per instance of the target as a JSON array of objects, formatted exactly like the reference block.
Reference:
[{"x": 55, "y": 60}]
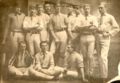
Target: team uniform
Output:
[
  {"x": 73, "y": 62},
  {"x": 58, "y": 24},
  {"x": 33, "y": 35},
  {"x": 46, "y": 69},
  {"x": 75, "y": 22},
  {"x": 87, "y": 43},
  {"x": 44, "y": 35},
  {"x": 15, "y": 24},
  {"x": 20, "y": 63},
  {"x": 107, "y": 24}
]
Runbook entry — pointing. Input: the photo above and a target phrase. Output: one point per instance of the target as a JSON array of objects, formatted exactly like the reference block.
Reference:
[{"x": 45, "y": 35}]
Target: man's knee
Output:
[{"x": 11, "y": 70}]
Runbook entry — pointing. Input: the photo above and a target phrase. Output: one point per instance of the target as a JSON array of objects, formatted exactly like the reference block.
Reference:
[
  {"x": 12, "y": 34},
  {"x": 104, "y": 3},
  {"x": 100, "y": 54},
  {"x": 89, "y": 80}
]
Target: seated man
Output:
[
  {"x": 74, "y": 64},
  {"x": 19, "y": 64},
  {"x": 43, "y": 65}
]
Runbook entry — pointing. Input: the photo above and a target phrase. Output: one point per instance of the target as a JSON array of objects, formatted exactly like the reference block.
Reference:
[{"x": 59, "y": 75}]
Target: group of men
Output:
[{"x": 54, "y": 45}]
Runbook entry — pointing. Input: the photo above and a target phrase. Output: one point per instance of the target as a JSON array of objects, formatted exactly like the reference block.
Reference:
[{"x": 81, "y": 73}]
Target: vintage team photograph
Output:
[{"x": 59, "y": 41}]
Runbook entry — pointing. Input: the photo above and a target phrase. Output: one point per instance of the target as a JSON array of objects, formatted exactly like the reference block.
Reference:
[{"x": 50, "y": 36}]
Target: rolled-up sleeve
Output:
[
  {"x": 79, "y": 61},
  {"x": 115, "y": 27}
]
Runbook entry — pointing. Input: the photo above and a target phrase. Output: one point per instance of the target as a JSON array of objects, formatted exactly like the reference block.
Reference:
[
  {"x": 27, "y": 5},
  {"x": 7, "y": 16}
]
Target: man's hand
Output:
[
  {"x": 37, "y": 67},
  {"x": 92, "y": 28},
  {"x": 106, "y": 34},
  {"x": 56, "y": 40}
]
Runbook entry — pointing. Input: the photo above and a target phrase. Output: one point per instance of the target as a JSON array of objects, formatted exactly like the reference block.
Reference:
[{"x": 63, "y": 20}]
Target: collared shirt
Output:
[
  {"x": 44, "y": 60},
  {"x": 108, "y": 23},
  {"x": 44, "y": 20},
  {"x": 58, "y": 21},
  {"x": 80, "y": 20},
  {"x": 73, "y": 61},
  {"x": 90, "y": 20},
  {"x": 30, "y": 22},
  {"x": 72, "y": 22},
  {"x": 15, "y": 21}
]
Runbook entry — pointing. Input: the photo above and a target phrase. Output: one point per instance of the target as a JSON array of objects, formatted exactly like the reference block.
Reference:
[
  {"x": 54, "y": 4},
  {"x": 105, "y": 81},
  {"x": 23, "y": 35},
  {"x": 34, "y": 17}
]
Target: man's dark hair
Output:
[
  {"x": 44, "y": 42},
  {"x": 72, "y": 46}
]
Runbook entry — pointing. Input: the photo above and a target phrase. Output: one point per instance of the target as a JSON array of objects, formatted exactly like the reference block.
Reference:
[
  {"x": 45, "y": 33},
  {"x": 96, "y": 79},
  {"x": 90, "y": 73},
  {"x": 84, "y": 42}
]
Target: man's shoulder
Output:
[
  {"x": 77, "y": 55},
  {"x": 49, "y": 53},
  {"x": 109, "y": 15}
]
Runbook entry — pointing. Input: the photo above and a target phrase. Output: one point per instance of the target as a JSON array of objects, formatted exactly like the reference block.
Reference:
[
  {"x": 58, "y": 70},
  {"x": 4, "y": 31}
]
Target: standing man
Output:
[
  {"x": 58, "y": 29},
  {"x": 87, "y": 40},
  {"x": 48, "y": 9},
  {"x": 107, "y": 27},
  {"x": 71, "y": 17},
  {"x": 44, "y": 19},
  {"x": 32, "y": 27},
  {"x": 14, "y": 27},
  {"x": 49, "y": 12}
]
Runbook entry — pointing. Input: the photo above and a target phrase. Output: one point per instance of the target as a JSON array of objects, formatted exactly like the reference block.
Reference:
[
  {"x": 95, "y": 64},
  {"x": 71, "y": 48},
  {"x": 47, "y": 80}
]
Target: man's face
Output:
[
  {"x": 18, "y": 10},
  {"x": 47, "y": 7},
  {"x": 102, "y": 9},
  {"x": 33, "y": 12},
  {"x": 70, "y": 9},
  {"x": 69, "y": 48},
  {"x": 44, "y": 46},
  {"x": 57, "y": 8},
  {"x": 22, "y": 46},
  {"x": 86, "y": 9},
  {"x": 40, "y": 9}
]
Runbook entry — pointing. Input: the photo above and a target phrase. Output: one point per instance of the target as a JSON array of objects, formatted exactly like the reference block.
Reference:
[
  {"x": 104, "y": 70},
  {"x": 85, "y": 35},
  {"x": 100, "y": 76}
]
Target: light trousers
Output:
[
  {"x": 87, "y": 46},
  {"x": 102, "y": 46}
]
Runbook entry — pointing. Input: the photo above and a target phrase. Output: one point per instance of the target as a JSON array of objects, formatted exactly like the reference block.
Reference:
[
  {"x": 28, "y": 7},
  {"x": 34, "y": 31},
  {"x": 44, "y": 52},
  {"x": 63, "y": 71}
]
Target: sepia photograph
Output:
[{"x": 59, "y": 41}]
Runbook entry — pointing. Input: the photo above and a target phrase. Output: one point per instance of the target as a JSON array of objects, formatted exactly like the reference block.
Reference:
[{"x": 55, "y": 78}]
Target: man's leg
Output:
[
  {"x": 90, "y": 54},
  {"x": 14, "y": 42},
  {"x": 14, "y": 71},
  {"x": 30, "y": 44},
  {"x": 104, "y": 58},
  {"x": 44, "y": 36},
  {"x": 38, "y": 74},
  {"x": 83, "y": 51},
  {"x": 63, "y": 43},
  {"x": 36, "y": 42}
]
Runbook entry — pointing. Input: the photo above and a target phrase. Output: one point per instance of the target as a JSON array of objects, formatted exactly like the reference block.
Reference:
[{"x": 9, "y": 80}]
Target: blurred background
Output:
[{"x": 6, "y": 7}]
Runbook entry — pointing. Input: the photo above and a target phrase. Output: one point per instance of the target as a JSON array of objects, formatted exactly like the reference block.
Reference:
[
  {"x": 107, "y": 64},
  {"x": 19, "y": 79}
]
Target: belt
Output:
[
  {"x": 17, "y": 31},
  {"x": 75, "y": 31},
  {"x": 59, "y": 30},
  {"x": 33, "y": 32},
  {"x": 87, "y": 33}
]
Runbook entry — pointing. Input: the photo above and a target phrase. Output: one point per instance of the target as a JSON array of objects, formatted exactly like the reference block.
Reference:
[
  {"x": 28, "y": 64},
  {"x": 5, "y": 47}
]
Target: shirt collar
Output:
[
  {"x": 44, "y": 53},
  {"x": 17, "y": 14},
  {"x": 104, "y": 14}
]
